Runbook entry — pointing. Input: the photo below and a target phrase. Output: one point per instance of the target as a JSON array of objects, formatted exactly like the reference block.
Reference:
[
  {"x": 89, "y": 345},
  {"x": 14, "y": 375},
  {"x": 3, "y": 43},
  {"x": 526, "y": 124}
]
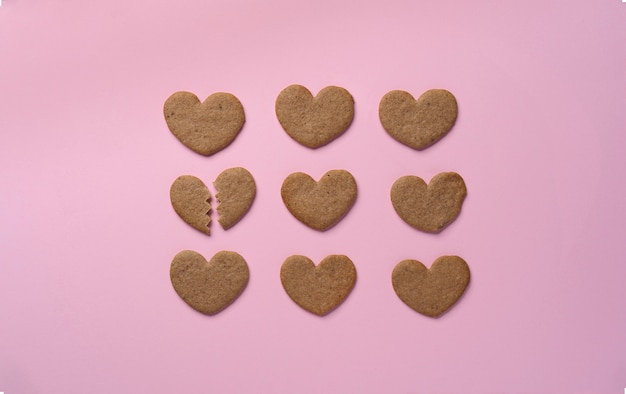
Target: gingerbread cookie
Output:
[
  {"x": 318, "y": 289},
  {"x": 314, "y": 121},
  {"x": 191, "y": 201},
  {"x": 433, "y": 291},
  {"x": 236, "y": 190},
  {"x": 190, "y": 198},
  {"x": 209, "y": 287},
  {"x": 431, "y": 207},
  {"x": 205, "y": 128},
  {"x": 418, "y": 123},
  {"x": 319, "y": 205}
]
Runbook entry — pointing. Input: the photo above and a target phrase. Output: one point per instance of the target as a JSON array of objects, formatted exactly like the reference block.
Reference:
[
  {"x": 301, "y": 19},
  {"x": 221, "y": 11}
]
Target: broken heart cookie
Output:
[
  {"x": 431, "y": 207},
  {"x": 314, "y": 121},
  {"x": 207, "y": 127},
  {"x": 209, "y": 287},
  {"x": 433, "y": 291},
  {"x": 418, "y": 123},
  {"x": 236, "y": 190},
  {"x": 318, "y": 289},
  {"x": 190, "y": 198},
  {"x": 319, "y": 205}
]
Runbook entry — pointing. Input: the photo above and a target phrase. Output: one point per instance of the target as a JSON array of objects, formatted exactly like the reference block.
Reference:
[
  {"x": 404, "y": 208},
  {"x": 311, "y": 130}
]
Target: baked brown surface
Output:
[
  {"x": 314, "y": 121},
  {"x": 318, "y": 289},
  {"x": 433, "y": 291},
  {"x": 191, "y": 200},
  {"x": 431, "y": 207},
  {"x": 207, "y": 127},
  {"x": 209, "y": 287},
  {"x": 319, "y": 205},
  {"x": 236, "y": 190},
  {"x": 418, "y": 123}
]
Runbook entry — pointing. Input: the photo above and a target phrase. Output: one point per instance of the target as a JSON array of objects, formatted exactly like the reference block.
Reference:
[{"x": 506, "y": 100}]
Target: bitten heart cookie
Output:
[
  {"x": 431, "y": 207},
  {"x": 418, "y": 123},
  {"x": 319, "y": 205},
  {"x": 209, "y": 287},
  {"x": 433, "y": 291},
  {"x": 318, "y": 289},
  {"x": 236, "y": 190},
  {"x": 207, "y": 127},
  {"x": 314, "y": 121}
]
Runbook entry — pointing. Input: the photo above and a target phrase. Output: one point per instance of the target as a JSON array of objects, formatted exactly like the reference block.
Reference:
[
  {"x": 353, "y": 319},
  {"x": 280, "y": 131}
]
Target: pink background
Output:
[{"x": 88, "y": 233}]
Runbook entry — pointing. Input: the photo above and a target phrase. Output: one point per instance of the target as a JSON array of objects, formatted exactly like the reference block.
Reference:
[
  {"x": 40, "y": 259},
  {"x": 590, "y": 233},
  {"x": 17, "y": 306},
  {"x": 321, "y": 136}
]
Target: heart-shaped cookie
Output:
[
  {"x": 319, "y": 205},
  {"x": 191, "y": 201},
  {"x": 318, "y": 289},
  {"x": 236, "y": 190},
  {"x": 314, "y": 121},
  {"x": 209, "y": 287},
  {"x": 191, "y": 198},
  {"x": 205, "y": 128},
  {"x": 418, "y": 123},
  {"x": 431, "y": 207},
  {"x": 433, "y": 291}
]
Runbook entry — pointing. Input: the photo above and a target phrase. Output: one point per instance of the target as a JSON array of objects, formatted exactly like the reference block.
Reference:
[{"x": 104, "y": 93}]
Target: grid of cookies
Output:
[{"x": 209, "y": 126}]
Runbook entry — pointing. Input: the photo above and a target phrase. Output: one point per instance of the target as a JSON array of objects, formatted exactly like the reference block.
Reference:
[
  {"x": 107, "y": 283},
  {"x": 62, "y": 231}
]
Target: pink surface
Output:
[{"x": 88, "y": 233}]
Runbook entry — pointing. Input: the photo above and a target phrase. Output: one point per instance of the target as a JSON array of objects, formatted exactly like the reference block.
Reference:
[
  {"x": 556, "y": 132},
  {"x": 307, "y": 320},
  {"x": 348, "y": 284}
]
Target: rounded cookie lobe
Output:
[
  {"x": 429, "y": 208},
  {"x": 418, "y": 123},
  {"x": 319, "y": 205},
  {"x": 236, "y": 190},
  {"x": 433, "y": 291},
  {"x": 209, "y": 287},
  {"x": 318, "y": 289},
  {"x": 314, "y": 121},
  {"x": 191, "y": 201},
  {"x": 207, "y": 127}
]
